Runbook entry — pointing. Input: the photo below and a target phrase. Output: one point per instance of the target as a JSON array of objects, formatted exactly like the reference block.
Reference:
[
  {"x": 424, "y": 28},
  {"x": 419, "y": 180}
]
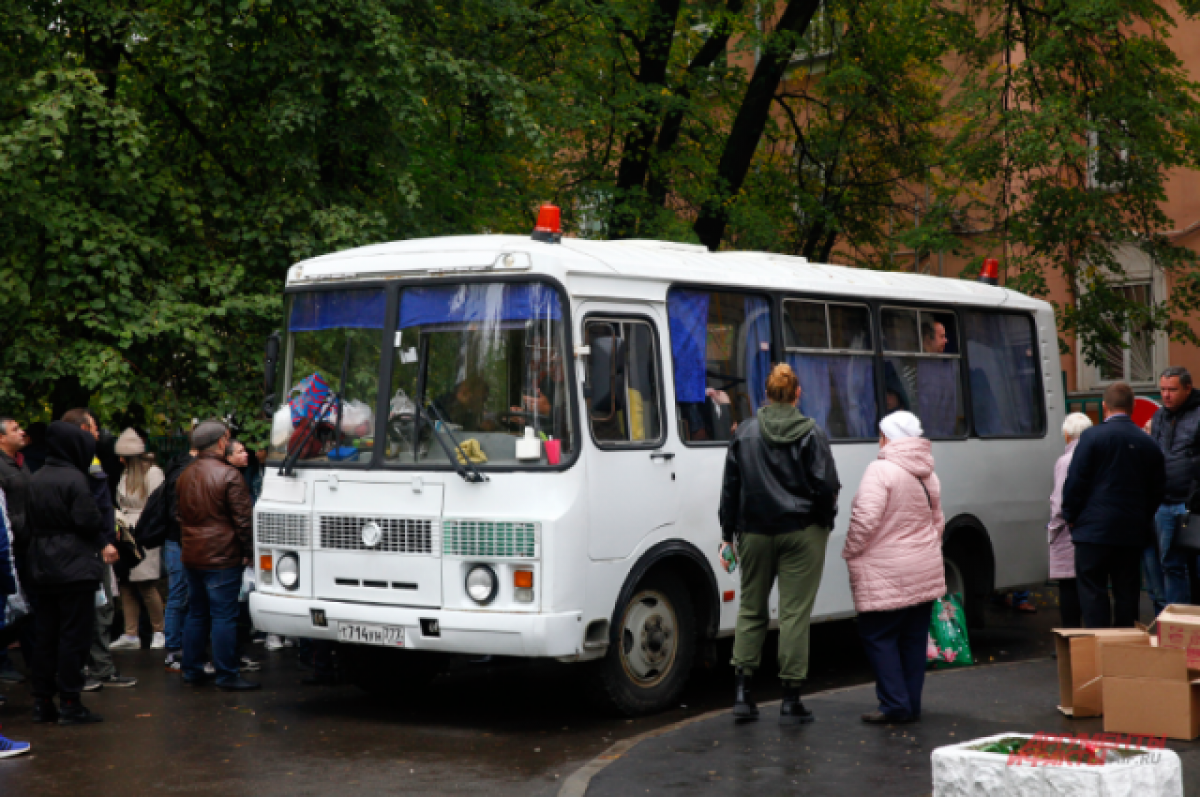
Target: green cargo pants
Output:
[{"x": 798, "y": 559}]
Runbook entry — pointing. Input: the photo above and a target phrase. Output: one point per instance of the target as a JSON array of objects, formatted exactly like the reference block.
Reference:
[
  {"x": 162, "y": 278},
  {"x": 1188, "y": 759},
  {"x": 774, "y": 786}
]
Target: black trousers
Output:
[
  {"x": 65, "y": 622},
  {"x": 1068, "y": 603},
  {"x": 895, "y": 643},
  {"x": 1095, "y": 566}
]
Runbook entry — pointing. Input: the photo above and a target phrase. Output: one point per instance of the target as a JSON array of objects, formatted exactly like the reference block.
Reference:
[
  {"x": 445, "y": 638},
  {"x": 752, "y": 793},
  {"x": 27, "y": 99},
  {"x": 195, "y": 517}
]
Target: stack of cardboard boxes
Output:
[{"x": 1142, "y": 683}]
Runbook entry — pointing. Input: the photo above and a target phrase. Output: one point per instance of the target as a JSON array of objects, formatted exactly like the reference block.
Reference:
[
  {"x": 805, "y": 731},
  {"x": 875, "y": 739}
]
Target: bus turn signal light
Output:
[
  {"x": 265, "y": 563},
  {"x": 523, "y": 579}
]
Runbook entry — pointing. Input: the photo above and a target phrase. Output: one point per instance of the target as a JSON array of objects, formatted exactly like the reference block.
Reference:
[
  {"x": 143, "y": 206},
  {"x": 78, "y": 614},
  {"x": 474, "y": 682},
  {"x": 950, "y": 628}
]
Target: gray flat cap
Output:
[{"x": 206, "y": 433}]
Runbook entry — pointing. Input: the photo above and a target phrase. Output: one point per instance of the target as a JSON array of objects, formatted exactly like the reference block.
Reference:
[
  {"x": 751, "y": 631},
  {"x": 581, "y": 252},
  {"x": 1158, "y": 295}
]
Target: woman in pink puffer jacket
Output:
[{"x": 894, "y": 554}]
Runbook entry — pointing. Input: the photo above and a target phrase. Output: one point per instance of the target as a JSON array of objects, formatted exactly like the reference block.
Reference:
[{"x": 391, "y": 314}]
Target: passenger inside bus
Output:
[{"x": 466, "y": 405}]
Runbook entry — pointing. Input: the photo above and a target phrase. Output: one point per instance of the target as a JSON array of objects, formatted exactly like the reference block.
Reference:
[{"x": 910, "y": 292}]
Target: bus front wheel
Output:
[
  {"x": 389, "y": 673},
  {"x": 652, "y": 645}
]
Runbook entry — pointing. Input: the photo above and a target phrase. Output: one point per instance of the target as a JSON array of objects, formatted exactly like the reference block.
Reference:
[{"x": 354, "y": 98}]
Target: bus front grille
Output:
[
  {"x": 282, "y": 528},
  {"x": 399, "y": 535},
  {"x": 498, "y": 538}
]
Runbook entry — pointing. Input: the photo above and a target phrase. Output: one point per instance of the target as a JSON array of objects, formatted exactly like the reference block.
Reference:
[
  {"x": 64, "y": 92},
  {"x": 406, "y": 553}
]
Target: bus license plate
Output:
[{"x": 363, "y": 634}]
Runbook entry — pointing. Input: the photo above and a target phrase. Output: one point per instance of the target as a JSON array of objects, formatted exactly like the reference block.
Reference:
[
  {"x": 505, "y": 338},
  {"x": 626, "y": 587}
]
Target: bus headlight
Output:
[
  {"x": 287, "y": 571},
  {"x": 482, "y": 584}
]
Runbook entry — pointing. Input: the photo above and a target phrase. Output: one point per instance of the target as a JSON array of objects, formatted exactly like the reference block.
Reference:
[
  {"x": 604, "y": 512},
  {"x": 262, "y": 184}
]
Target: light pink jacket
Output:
[
  {"x": 894, "y": 546},
  {"x": 1062, "y": 549}
]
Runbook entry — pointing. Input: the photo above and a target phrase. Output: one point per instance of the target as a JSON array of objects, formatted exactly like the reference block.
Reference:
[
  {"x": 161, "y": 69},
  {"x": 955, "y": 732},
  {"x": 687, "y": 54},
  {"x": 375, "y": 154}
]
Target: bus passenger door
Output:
[{"x": 631, "y": 463}]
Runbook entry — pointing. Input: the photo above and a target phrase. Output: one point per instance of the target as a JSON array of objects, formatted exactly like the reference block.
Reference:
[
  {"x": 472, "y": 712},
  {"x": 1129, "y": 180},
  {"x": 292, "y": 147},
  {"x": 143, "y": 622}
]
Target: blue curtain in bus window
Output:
[
  {"x": 854, "y": 385},
  {"x": 337, "y": 310},
  {"x": 758, "y": 348},
  {"x": 687, "y": 317},
  {"x": 479, "y": 302},
  {"x": 1005, "y": 399},
  {"x": 937, "y": 397},
  {"x": 838, "y": 392},
  {"x": 815, "y": 391}
]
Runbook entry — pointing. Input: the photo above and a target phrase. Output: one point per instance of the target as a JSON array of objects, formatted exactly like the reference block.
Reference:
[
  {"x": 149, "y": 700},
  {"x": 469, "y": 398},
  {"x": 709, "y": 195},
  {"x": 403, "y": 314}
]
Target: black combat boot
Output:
[
  {"x": 792, "y": 710},
  {"x": 744, "y": 707},
  {"x": 72, "y": 712},
  {"x": 44, "y": 710}
]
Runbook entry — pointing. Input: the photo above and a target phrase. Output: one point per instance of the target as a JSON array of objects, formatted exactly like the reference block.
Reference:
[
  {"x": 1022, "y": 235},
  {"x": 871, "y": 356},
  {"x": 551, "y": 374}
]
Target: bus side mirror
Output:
[
  {"x": 605, "y": 367},
  {"x": 272, "y": 356}
]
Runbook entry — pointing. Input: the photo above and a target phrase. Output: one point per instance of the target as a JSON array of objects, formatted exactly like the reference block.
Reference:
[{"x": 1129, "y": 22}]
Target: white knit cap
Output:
[
  {"x": 130, "y": 444},
  {"x": 901, "y": 424}
]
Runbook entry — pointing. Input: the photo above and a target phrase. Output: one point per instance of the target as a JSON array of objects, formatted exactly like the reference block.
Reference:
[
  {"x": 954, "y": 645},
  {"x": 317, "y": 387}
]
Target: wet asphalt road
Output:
[{"x": 508, "y": 727}]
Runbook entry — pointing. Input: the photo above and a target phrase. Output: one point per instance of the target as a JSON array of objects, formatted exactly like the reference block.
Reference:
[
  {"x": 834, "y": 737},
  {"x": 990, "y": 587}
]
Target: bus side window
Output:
[
  {"x": 623, "y": 397},
  {"x": 1006, "y": 399},
  {"x": 721, "y": 351},
  {"x": 831, "y": 349},
  {"x": 922, "y": 368}
]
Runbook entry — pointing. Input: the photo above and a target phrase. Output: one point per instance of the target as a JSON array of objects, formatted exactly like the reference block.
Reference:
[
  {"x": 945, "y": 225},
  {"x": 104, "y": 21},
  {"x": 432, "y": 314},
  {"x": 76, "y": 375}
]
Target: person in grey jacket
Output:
[{"x": 779, "y": 497}]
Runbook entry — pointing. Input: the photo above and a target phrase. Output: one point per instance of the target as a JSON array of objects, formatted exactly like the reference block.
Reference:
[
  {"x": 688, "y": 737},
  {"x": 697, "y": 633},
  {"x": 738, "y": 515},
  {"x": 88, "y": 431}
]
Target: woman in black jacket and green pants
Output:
[
  {"x": 780, "y": 495},
  {"x": 66, "y": 567}
]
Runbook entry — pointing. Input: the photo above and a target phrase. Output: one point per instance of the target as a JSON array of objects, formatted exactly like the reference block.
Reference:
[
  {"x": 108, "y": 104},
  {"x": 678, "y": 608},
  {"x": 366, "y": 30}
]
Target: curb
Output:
[{"x": 576, "y": 785}]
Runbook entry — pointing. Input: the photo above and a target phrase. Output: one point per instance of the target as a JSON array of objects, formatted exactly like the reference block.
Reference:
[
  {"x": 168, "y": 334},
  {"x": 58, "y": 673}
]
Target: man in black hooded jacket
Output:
[{"x": 66, "y": 565}]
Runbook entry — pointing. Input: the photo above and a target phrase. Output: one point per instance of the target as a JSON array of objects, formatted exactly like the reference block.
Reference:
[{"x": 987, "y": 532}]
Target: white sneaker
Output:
[
  {"x": 209, "y": 669},
  {"x": 277, "y": 642},
  {"x": 126, "y": 642},
  {"x": 159, "y": 642}
]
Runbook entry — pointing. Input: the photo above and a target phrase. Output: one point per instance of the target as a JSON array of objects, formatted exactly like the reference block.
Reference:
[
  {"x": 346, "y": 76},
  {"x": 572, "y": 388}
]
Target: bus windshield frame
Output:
[{"x": 460, "y": 345}]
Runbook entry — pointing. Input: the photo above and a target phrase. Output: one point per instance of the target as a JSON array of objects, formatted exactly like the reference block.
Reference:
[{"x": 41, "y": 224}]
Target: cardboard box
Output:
[
  {"x": 1179, "y": 627},
  {"x": 1079, "y": 656},
  {"x": 1150, "y": 691}
]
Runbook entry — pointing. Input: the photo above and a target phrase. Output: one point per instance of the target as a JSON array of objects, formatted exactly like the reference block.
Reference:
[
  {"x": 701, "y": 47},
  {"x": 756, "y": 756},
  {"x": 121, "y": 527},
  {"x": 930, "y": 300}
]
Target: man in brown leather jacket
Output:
[{"x": 216, "y": 531}]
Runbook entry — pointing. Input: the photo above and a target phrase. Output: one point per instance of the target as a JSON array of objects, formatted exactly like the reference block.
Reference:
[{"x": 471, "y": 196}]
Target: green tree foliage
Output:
[
  {"x": 163, "y": 162},
  {"x": 1081, "y": 111}
]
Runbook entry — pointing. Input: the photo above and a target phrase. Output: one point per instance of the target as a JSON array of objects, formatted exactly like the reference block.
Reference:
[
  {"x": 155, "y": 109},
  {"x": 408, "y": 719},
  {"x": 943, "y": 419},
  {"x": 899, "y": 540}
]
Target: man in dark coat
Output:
[
  {"x": 1113, "y": 488},
  {"x": 67, "y": 553},
  {"x": 14, "y": 481},
  {"x": 1176, "y": 429},
  {"x": 101, "y": 669}
]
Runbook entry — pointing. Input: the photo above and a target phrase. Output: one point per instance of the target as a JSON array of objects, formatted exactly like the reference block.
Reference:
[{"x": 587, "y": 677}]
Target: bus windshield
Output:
[
  {"x": 330, "y": 333},
  {"x": 484, "y": 362}
]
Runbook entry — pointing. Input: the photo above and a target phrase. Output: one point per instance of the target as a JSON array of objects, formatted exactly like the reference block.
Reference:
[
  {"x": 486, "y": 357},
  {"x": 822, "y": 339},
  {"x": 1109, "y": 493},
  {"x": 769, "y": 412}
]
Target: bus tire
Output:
[
  {"x": 652, "y": 646},
  {"x": 389, "y": 673}
]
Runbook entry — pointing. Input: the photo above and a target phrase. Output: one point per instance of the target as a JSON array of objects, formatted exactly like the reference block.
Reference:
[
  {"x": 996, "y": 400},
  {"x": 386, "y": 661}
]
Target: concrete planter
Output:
[{"x": 960, "y": 770}]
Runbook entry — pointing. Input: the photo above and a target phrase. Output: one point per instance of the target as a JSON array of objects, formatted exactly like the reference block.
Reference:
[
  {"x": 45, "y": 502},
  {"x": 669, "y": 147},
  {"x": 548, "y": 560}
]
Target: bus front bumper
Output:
[{"x": 479, "y": 633}]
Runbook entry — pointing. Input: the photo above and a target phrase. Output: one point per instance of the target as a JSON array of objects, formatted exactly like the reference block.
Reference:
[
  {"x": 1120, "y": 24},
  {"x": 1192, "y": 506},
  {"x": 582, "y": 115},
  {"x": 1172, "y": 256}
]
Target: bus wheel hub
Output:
[{"x": 649, "y": 633}]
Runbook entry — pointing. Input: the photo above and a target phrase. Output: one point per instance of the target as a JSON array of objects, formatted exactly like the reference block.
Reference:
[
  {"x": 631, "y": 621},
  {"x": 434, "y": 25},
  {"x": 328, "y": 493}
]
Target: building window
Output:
[{"x": 1134, "y": 361}]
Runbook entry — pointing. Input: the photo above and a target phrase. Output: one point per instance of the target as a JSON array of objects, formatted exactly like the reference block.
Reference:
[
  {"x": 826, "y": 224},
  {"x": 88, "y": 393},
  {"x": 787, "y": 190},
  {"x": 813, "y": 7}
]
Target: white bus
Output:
[{"x": 532, "y": 435}]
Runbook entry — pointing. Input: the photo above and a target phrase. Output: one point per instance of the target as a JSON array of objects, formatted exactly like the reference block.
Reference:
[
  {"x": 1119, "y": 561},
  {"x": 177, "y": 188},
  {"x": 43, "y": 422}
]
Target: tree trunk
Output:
[
  {"x": 654, "y": 52},
  {"x": 752, "y": 119}
]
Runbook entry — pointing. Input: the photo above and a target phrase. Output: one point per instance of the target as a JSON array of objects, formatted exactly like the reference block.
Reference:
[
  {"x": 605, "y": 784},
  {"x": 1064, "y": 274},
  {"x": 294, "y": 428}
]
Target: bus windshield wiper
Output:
[{"x": 466, "y": 468}]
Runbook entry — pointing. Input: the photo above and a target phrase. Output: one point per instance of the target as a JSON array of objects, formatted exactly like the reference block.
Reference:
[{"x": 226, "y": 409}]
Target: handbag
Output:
[
  {"x": 1187, "y": 536},
  {"x": 129, "y": 549}
]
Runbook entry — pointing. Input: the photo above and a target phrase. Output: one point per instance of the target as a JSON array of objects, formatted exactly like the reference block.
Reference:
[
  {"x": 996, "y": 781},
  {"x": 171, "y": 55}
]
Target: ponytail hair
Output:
[{"x": 782, "y": 384}]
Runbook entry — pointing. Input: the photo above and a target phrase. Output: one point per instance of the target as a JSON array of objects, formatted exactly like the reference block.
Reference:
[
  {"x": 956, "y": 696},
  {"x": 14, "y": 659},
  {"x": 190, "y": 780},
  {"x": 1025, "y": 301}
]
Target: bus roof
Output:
[{"x": 589, "y": 268}]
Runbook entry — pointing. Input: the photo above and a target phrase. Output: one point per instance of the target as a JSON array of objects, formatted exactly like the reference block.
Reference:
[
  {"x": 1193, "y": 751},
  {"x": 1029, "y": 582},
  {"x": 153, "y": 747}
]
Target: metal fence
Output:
[{"x": 166, "y": 447}]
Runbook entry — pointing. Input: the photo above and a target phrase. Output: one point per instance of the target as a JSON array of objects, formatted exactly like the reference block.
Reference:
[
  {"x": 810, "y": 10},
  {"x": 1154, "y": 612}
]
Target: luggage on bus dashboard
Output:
[{"x": 638, "y": 360}]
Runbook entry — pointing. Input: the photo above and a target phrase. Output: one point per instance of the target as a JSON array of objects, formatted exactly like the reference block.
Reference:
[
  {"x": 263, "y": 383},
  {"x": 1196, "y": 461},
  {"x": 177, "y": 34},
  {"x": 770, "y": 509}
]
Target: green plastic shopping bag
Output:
[{"x": 948, "y": 645}]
